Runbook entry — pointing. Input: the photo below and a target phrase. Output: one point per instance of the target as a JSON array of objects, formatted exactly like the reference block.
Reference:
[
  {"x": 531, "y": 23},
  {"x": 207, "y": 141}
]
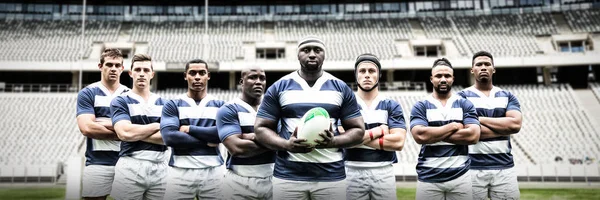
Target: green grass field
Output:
[{"x": 58, "y": 192}]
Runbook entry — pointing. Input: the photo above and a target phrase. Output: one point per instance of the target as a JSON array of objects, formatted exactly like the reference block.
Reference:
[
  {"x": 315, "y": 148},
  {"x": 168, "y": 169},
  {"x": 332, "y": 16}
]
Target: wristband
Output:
[
  {"x": 381, "y": 142},
  {"x": 370, "y": 134},
  {"x": 382, "y": 132}
]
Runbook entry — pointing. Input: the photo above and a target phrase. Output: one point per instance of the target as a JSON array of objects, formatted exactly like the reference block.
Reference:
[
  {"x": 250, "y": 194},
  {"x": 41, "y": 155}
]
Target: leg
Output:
[
  {"x": 329, "y": 190},
  {"x": 384, "y": 184},
  {"x": 481, "y": 183},
  {"x": 238, "y": 187},
  {"x": 181, "y": 183},
  {"x": 157, "y": 182},
  {"x": 97, "y": 181},
  {"x": 290, "y": 190},
  {"x": 266, "y": 188},
  {"x": 358, "y": 185},
  {"x": 505, "y": 185},
  {"x": 461, "y": 188},
  {"x": 211, "y": 185},
  {"x": 429, "y": 191},
  {"x": 129, "y": 179}
]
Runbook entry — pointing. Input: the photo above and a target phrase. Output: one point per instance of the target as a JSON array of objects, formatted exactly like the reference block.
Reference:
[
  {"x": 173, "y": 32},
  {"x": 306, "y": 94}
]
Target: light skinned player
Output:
[
  {"x": 369, "y": 165},
  {"x": 500, "y": 116},
  {"x": 444, "y": 124},
  {"x": 301, "y": 170},
  {"x": 250, "y": 166},
  {"x": 93, "y": 120},
  {"x": 188, "y": 126},
  {"x": 141, "y": 170}
]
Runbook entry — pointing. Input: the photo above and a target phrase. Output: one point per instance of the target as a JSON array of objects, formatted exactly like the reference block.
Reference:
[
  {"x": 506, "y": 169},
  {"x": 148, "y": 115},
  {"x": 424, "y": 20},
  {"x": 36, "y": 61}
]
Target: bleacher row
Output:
[
  {"x": 171, "y": 41},
  {"x": 41, "y": 130}
]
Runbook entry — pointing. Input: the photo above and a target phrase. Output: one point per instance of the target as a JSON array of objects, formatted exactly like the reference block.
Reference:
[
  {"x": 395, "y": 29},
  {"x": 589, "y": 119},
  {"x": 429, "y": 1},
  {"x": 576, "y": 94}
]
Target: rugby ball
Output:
[{"x": 314, "y": 121}]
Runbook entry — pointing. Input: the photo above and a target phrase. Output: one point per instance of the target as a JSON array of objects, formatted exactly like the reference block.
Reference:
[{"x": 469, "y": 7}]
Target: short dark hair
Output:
[
  {"x": 441, "y": 61},
  {"x": 110, "y": 52},
  {"x": 141, "y": 58},
  {"x": 482, "y": 53},
  {"x": 195, "y": 61}
]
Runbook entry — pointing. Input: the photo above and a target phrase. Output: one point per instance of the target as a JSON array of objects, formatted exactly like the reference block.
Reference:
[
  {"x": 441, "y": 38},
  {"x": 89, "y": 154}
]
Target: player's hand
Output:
[
  {"x": 184, "y": 128},
  {"x": 457, "y": 126},
  {"x": 106, "y": 123},
  {"x": 249, "y": 136},
  {"x": 212, "y": 144},
  {"x": 296, "y": 145},
  {"x": 327, "y": 141},
  {"x": 385, "y": 128}
]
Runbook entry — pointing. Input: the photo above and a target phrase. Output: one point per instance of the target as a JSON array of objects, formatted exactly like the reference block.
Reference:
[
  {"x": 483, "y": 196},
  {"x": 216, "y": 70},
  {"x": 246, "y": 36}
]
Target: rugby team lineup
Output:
[
  {"x": 307, "y": 136},
  {"x": 253, "y": 99}
]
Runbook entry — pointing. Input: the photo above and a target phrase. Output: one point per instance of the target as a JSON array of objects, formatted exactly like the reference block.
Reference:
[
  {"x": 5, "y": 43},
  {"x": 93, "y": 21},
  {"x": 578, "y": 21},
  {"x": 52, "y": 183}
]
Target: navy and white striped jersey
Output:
[
  {"x": 95, "y": 99},
  {"x": 134, "y": 108},
  {"x": 286, "y": 101},
  {"x": 237, "y": 117},
  {"x": 190, "y": 150},
  {"x": 491, "y": 153},
  {"x": 382, "y": 111},
  {"x": 442, "y": 161}
]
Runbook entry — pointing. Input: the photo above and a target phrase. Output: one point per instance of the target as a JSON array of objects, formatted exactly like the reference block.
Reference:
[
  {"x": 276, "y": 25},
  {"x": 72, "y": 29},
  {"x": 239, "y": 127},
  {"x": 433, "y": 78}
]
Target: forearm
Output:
[
  {"x": 99, "y": 132},
  {"x": 351, "y": 137},
  {"x": 135, "y": 132},
  {"x": 174, "y": 138},
  {"x": 376, "y": 132},
  {"x": 391, "y": 142},
  {"x": 465, "y": 136},
  {"x": 248, "y": 148},
  {"x": 488, "y": 133},
  {"x": 500, "y": 125},
  {"x": 208, "y": 134},
  {"x": 430, "y": 135},
  {"x": 155, "y": 138},
  {"x": 268, "y": 138}
]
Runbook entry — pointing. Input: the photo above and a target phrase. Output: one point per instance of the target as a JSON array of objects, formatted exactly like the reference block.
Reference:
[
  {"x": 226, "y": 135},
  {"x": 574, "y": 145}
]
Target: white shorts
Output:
[
  {"x": 97, "y": 180},
  {"x": 139, "y": 179},
  {"x": 495, "y": 184},
  {"x": 305, "y": 190},
  {"x": 185, "y": 183},
  {"x": 457, "y": 189},
  {"x": 371, "y": 183},
  {"x": 237, "y": 187}
]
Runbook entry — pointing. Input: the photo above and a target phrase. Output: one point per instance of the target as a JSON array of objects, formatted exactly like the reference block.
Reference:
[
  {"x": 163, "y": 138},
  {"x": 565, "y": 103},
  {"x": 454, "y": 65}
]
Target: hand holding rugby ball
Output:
[{"x": 314, "y": 122}]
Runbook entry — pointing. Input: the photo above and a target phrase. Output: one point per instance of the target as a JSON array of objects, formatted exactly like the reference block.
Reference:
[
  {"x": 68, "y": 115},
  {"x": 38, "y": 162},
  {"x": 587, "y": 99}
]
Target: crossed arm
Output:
[
  {"x": 126, "y": 131},
  {"x": 501, "y": 126},
  {"x": 243, "y": 145},
  {"x": 393, "y": 139},
  {"x": 100, "y": 129}
]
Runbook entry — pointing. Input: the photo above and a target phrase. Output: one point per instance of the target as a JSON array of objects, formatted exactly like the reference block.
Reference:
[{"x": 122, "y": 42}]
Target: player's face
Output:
[
  {"x": 483, "y": 69},
  {"x": 111, "y": 68},
  {"x": 197, "y": 77},
  {"x": 311, "y": 58},
  {"x": 367, "y": 75},
  {"x": 141, "y": 73},
  {"x": 442, "y": 78},
  {"x": 254, "y": 83}
]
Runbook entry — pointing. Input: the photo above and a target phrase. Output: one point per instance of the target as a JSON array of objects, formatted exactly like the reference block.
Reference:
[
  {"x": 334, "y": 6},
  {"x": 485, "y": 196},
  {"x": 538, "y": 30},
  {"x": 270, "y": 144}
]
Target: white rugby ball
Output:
[{"x": 314, "y": 121}]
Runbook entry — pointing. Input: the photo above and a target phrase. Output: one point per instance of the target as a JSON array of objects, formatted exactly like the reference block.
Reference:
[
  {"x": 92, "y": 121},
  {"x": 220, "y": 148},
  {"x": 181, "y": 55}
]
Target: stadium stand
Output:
[
  {"x": 182, "y": 41},
  {"x": 595, "y": 87},
  {"x": 505, "y": 35},
  {"x": 349, "y": 38},
  {"x": 51, "y": 40},
  {"x": 582, "y": 21},
  {"x": 440, "y": 28},
  {"x": 555, "y": 124},
  {"x": 35, "y": 152}
]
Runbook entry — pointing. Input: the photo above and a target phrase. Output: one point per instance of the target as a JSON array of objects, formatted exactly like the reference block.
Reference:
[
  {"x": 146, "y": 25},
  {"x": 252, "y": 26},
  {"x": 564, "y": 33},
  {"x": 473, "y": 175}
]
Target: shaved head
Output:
[{"x": 249, "y": 69}]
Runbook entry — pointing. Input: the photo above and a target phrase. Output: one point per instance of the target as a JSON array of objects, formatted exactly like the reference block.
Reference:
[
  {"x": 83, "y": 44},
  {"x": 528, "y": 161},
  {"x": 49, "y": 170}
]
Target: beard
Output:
[{"x": 440, "y": 91}]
